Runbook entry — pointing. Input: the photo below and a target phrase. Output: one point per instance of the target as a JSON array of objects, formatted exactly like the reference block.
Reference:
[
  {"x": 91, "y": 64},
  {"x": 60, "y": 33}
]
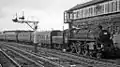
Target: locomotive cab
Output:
[
  {"x": 105, "y": 44},
  {"x": 104, "y": 36}
]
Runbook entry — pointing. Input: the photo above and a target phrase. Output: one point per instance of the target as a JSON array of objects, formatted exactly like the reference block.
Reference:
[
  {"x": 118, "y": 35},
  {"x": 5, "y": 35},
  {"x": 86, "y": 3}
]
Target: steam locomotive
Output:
[{"x": 85, "y": 43}]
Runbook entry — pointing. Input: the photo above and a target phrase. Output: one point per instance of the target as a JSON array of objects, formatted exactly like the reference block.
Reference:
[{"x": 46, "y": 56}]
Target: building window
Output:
[
  {"x": 119, "y": 5},
  {"x": 78, "y": 13},
  {"x": 110, "y": 7},
  {"x": 71, "y": 15},
  {"x": 95, "y": 11},
  {"x": 99, "y": 9},
  {"x": 106, "y": 8},
  {"x": 75, "y": 15},
  {"x": 102, "y": 8},
  {"x": 90, "y": 11},
  {"x": 66, "y": 17},
  {"x": 88, "y": 14},
  {"x": 114, "y": 6},
  {"x": 81, "y": 13},
  {"x": 84, "y": 13}
]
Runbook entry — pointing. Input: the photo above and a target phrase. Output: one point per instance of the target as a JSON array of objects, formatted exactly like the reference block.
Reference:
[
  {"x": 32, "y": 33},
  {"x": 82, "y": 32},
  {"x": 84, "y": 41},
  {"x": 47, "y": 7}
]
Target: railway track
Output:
[
  {"x": 43, "y": 61},
  {"x": 85, "y": 60},
  {"x": 7, "y": 61},
  {"x": 47, "y": 60},
  {"x": 79, "y": 60},
  {"x": 60, "y": 62},
  {"x": 21, "y": 59}
]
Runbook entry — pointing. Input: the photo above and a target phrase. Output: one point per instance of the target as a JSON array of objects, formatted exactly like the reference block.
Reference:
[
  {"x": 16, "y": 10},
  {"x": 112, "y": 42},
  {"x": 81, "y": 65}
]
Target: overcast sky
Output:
[{"x": 48, "y": 12}]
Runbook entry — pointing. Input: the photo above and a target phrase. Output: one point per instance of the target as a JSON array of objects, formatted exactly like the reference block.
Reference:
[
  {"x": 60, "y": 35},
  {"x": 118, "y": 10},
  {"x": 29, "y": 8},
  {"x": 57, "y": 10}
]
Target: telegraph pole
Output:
[{"x": 35, "y": 23}]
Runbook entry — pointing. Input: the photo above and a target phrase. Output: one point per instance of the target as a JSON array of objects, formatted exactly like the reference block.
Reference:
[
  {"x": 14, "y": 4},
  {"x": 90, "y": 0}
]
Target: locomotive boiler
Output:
[{"x": 91, "y": 42}]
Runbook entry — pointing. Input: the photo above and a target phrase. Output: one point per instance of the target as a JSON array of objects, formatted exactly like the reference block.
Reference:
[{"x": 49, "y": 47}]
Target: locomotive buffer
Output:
[{"x": 22, "y": 20}]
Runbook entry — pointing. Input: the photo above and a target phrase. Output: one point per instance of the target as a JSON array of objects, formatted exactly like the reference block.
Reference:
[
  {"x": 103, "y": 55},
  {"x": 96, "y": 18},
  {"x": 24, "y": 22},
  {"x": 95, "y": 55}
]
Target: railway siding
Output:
[
  {"x": 72, "y": 57},
  {"x": 23, "y": 60},
  {"x": 7, "y": 61},
  {"x": 93, "y": 62},
  {"x": 59, "y": 62},
  {"x": 45, "y": 61}
]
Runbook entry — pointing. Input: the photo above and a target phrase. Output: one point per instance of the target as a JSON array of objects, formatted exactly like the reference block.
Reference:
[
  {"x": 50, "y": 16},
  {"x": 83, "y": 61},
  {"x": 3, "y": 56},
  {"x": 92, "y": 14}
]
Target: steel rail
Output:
[
  {"x": 13, "y": 61},
  {"x": 45, "y": 59},
  {"x": 27, "y": 58},
  {"x": 94, "y": 60}
]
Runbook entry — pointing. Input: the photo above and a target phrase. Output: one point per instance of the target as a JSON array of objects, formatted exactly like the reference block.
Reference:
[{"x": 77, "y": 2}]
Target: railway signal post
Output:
[{"x": 22, "y": 20}]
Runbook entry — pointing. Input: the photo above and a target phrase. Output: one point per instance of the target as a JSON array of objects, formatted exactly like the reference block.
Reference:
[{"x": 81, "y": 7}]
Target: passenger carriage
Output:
[
  {"x": 25, "y": 37},
  {"x": 2, "y": 36},
  {"x": 11, "y": 36}
]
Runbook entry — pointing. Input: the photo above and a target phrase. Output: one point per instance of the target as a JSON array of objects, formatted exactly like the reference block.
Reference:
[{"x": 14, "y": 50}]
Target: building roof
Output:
[{"x": 78, "y": 6}]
